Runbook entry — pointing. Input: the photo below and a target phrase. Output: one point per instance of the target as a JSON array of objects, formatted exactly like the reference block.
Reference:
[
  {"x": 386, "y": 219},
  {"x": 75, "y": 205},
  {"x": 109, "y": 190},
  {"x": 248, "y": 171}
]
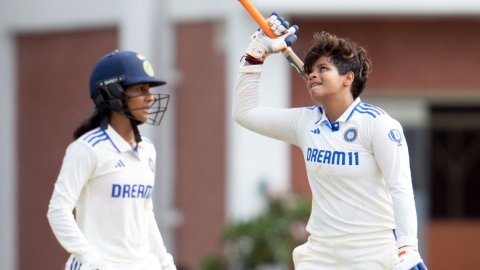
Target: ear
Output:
[{"x": 348, "y": 79}]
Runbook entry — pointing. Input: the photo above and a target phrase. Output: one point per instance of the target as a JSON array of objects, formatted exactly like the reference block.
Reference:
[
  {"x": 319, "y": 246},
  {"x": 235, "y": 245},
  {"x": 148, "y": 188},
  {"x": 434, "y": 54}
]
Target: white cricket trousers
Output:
[
  {"x": 149, "y": 263},
  {"x": 373, "y": 251}
]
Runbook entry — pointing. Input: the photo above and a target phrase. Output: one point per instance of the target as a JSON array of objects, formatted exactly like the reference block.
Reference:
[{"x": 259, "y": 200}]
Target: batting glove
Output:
[
  {"x": 279, "y": 25},
  {"x": 261, "y": 45},
  {"x": 409, "y": 259}
]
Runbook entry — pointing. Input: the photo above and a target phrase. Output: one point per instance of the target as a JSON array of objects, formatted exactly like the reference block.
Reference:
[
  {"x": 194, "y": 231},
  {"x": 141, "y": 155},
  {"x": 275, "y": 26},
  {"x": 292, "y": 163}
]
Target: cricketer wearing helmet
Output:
[{"x": 108, "y": 172}]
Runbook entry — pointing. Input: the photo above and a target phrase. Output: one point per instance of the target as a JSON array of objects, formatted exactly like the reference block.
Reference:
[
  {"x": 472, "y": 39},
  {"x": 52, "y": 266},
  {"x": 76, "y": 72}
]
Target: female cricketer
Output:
[
  {"x": 363, "y": 210},
  {"x": 107, "y": 175}
]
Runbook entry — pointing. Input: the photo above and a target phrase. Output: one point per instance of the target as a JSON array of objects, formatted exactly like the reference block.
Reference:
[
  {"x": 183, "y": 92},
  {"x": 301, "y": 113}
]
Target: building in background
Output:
[{"x": 426, "y": 60}]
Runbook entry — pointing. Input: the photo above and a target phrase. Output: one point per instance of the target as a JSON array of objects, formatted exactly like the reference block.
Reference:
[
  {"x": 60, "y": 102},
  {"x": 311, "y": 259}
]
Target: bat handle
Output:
[{"x": 295, "y": 62}]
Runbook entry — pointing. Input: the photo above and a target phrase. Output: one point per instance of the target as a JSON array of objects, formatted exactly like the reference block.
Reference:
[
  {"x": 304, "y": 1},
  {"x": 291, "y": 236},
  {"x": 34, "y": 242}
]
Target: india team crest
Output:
[{"x": 350, "y": 135}]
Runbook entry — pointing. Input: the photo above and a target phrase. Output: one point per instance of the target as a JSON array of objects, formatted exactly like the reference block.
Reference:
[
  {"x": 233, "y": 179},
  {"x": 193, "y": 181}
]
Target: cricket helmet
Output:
[
  {"x": 123, "y": 67},
  {"x": 116, "y": 71}
]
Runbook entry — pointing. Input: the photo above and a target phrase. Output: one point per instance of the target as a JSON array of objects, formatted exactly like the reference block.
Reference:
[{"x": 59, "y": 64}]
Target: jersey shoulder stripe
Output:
[
  {"x": 365, "y": 108},
  {"x": 312, "y": 113},
  {"x": 372, "y": 107},
  {"x": 95, "y": 136},
  {"x": 92, "y": 133},
  {"x": 74, "y": 264}
]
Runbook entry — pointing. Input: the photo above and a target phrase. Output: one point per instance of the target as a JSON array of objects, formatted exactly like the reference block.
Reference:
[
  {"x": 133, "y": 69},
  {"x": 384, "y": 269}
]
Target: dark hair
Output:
[
  {"x": 93, "y": 122},
  {"x": 346, "y": 56}
]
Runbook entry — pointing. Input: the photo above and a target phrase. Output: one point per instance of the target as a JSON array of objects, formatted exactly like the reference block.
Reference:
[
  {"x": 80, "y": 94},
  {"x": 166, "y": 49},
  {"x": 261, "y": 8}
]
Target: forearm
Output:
[
  {"x": 393, "y": 159},
  {"x": 157, "y": 246},
  {"x": 76, "y": 168},
  {"x": 69, "y": 235},
  {"x": 245, "y": 96},
  {"x": 406, "y": 219},
  {"x": 277, "y": 123}
]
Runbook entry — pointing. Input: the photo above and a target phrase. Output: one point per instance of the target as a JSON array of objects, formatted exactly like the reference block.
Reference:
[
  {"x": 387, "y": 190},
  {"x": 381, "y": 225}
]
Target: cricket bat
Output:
[{"x": 292, "y": 58}]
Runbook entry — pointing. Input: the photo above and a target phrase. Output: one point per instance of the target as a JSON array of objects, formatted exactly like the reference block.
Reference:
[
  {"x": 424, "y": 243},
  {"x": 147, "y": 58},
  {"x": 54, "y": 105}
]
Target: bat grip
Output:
[{"x": 295, "y": 62}]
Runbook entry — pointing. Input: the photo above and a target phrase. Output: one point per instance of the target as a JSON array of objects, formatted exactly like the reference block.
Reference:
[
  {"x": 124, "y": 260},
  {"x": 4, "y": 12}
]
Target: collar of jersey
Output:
[
  {"x": 345, "y": 115},
  {"x": 118, "y": 142}
]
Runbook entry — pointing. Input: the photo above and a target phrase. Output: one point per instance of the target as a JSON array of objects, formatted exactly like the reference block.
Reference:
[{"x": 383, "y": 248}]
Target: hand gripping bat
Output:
[{"x": 292, "y": 58}]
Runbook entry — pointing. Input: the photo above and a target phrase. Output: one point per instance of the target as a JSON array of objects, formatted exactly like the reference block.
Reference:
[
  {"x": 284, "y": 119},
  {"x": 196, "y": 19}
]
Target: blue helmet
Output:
[
  {"x": 113, "y": 73},
  {"x": 122, "y": 67}
]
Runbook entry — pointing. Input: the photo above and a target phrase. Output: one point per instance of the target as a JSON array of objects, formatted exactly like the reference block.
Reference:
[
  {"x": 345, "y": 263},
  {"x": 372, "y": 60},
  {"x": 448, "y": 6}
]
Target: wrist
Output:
[
  {"x": 252, "y": 60},
  {"x": 404, "y": 241}
]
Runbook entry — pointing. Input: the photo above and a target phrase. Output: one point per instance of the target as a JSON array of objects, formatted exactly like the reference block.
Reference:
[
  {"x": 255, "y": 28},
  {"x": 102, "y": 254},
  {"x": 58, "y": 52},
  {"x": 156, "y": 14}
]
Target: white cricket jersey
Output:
[
  {"x": 358, "y": 166},
  {"x": 110, "y": 185}
]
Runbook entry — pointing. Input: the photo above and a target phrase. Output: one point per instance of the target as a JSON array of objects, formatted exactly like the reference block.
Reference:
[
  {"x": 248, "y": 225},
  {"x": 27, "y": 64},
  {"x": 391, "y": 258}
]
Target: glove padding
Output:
[
  {"x": 278, "y": 24},
  {"x": 261, "y": 45},
  {"x": 409, "y": 259}
]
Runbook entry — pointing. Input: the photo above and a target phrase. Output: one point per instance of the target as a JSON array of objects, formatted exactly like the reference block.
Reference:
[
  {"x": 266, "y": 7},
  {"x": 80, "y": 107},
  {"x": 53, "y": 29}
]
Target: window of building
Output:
[{"x": 455, "y": 162}]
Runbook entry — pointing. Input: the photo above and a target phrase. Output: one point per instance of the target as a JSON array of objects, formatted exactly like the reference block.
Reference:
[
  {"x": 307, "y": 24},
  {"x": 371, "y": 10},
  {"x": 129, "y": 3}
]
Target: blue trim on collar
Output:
[
  {"x": 321, "y": 115},
  {"x": 333, "y": 126},
  {"x": 351, "y": 113},
  {"x": 108, "y": 137}
]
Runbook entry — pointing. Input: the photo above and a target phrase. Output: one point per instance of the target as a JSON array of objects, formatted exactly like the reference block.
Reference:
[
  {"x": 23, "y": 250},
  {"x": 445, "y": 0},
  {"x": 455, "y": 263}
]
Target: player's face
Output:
[
  {"x": 139, "y": 99},
  {"x": 325, "y": 83}
]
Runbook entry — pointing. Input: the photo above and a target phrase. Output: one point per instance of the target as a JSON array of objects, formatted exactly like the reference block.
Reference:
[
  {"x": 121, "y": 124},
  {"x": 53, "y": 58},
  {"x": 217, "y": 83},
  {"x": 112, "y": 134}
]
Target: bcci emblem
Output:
[
  {"x": 147, "y": 67},
  {"x": 152, "y": 165},
  {"x": 350, "y": 135},
  {"x": 395, "y": 136}
]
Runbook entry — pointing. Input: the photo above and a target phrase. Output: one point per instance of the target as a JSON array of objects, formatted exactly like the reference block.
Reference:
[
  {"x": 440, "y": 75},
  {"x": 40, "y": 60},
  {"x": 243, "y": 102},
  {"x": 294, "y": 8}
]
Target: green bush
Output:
[
  {"x": 213, "y": 262},
  {"x": 270, "y": 238}
]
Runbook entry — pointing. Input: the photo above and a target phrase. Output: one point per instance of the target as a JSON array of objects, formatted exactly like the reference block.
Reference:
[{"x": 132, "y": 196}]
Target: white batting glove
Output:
[
  {"x": 278, "y": 24},
  {"x": 261, "y": 45},
  {"x": 409, "y": 259}
]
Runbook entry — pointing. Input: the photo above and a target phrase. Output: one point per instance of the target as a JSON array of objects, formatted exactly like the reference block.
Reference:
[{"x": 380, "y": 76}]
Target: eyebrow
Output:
[{"x": 322, "y": 64}]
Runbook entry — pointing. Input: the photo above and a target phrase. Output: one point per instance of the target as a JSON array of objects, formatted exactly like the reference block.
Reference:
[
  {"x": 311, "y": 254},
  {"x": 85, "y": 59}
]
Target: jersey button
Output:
[{"x": 335, "y": 126}]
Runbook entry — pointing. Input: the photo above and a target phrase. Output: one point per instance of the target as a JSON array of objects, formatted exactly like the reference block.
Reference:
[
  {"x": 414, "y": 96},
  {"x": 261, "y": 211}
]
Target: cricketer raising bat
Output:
[{"x": 292, "y": 58}]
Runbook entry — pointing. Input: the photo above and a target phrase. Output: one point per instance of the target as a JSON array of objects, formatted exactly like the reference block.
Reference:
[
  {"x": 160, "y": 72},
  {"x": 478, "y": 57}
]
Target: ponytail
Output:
[{"x": 91, "y": 123}]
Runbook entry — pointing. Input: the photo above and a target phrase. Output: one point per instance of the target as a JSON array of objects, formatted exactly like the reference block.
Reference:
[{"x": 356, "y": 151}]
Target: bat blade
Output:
[{"x": 257, "y": 17}]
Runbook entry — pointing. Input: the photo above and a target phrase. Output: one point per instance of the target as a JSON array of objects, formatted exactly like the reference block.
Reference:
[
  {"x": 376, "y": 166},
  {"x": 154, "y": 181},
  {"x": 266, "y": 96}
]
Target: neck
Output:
[
  {"x": 334, "y": 108},
  {"x": 122, "y": 126}
]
